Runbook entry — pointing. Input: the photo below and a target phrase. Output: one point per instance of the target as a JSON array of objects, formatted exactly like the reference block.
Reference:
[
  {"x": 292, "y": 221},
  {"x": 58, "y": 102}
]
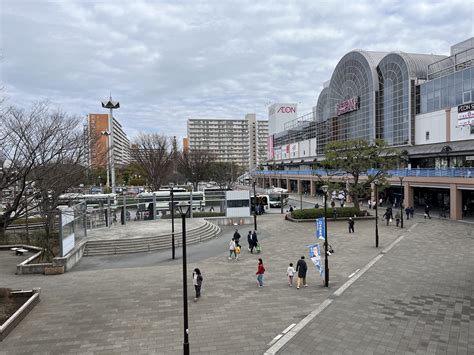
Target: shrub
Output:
[{"x": 313, "y": 213}]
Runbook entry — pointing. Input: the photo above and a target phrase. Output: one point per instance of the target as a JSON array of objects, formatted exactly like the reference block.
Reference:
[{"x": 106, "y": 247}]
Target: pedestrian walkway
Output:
[
  {"x": 418, "y": 298},
  {"x": 139, "y": 309}
]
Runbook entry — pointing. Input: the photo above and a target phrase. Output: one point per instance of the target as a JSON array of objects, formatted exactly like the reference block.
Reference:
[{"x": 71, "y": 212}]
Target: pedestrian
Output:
[
  {"x": 370, "y": 204},
  {"x": 464, "y": 210},
  {"x": 351, "y": 225},
  {"x": 407, "y": 212},
  {"x": 232, "y": 249},
  {"x": 333, "y": 204},
  {"x": 197, "y": 281},
  {"x": 412, "y": 212},
  {"x": 397, "y": 218},
  {"x": 211, "y": 209},
  {"x": 387, "y": 215},
  {"x": 342, "y": 203},
  {"x": 316, "y": 205},
  {"x": 301, "y": 268},
  {"x": 427, "y": 211},
  {"x": 291, "y": 208},
  {"x": 381, "y": 201},
  {"x": 374, "y": 204},
  {"x": 260, "y": 272},
  {"x": 290, "y": 272},
  {"x": 236, "y": 237},
  {"x": 249, "y": 240},
  {"x": 254, "y": 241},
  {"x": 334, "y": 214}
]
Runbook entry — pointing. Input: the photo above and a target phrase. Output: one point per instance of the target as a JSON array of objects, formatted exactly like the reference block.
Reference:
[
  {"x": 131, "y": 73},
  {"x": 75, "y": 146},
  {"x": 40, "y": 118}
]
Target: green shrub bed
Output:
[{"x": 313, "y": 213}]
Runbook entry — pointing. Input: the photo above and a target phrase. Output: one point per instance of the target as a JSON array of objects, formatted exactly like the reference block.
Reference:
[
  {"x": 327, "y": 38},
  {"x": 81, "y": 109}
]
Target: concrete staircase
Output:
[{"x": 136, "y": 245}]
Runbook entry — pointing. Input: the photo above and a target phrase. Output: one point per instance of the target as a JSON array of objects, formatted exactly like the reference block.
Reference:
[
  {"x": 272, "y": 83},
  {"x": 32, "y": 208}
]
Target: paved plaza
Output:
[{"x": 417, "y": 298}]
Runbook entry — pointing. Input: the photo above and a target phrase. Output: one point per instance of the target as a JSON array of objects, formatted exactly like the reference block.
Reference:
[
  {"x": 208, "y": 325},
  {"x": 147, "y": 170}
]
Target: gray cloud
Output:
[{"x": 168, "y": 61}]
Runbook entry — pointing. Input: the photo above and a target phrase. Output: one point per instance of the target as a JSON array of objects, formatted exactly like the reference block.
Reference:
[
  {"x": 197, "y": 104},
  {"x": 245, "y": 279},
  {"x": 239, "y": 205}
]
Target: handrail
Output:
[{"x": 421, "y": 172}]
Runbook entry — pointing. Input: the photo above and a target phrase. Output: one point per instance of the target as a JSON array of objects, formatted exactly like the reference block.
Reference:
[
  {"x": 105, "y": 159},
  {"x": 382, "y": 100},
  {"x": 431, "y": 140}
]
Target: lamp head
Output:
[
  {"x": 325, "y": 188},
  {"x": 183, "y": 207}
]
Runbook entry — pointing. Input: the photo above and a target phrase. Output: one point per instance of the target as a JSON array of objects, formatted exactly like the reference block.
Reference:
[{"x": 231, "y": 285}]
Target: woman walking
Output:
[
  {"x": 260, "y": 272},
  {"x": 197, "y": 282}
]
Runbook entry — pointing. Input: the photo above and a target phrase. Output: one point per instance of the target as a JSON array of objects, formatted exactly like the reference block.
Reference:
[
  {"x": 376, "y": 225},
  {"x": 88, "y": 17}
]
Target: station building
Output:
[{"x": 422, "y": 104}]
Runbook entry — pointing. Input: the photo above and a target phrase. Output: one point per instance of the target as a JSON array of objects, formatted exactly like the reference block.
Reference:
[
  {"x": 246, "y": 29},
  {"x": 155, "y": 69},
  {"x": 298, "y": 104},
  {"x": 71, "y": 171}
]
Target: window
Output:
[
  {"x": 427, "y": 135},
  {"x": 472, "y": 129},
  {"x": 467, "y": 97}
]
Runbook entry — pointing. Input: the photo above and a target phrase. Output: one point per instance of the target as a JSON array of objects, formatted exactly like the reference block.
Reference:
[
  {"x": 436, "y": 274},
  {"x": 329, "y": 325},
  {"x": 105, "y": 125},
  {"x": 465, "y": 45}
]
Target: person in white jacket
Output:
[
  {"x": 290, "y": 272},
  {"x": 232, "y": 249}
]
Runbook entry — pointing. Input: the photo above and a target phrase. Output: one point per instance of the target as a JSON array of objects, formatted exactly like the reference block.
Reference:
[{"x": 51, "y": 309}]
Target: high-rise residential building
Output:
[
  {"x": 243, "y": 142},
  {"x": 98, "y": 146}
]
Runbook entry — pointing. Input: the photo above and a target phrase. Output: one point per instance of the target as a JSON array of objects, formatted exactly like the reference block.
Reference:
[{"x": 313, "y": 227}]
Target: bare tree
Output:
[
  {"x": 154, "y": 154},
  {"x": 42, "y": 155},
  {"x": 195, "y": 165},
  {"x": 225, "y": 173}
]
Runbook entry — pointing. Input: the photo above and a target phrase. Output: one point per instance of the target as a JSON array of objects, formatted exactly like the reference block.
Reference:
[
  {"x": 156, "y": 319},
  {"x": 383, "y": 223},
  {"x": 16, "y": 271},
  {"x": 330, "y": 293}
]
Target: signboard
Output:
[
  {"x": 348, "y": 105},
  {"x": 315, "y": 256},
  {"x": 466, "y": 114},
  {"x": 320, "y": 228},
  {"x": 294, "y": 150},
  {"x": 279, "y": 114},
  {"x": 270, "y": 155},
  {"x": 67, "y": 230}
]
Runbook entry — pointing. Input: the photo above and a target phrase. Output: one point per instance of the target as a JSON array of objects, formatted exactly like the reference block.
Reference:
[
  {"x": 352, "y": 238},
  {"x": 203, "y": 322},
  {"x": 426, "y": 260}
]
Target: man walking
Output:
[
  {"x": 351, "y": 225},
  {"x": 254, "y": 241},
  {"x": 427, "y": 211},
  {"x": 301, "y": 269}
]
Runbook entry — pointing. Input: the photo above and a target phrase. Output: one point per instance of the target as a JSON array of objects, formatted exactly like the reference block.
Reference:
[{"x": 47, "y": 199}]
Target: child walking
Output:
[
  {"x": 290, "y": 272},
  {"x": 197, "y": 282}
]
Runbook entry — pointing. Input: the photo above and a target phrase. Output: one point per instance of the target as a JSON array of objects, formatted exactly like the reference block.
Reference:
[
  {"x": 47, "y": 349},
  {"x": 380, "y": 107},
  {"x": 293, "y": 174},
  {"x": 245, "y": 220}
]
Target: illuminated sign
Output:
[
  {"x": 466, "y": 114},
  {"x": 348, "y": 105}
]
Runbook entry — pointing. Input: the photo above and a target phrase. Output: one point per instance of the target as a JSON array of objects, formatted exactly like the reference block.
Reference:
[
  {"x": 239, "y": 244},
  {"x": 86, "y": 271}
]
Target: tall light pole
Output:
[
  {"x": 107, "y": 150},
  {"x": 172, "y": 222},
  {"x": 401, "y": 199},
  {"x": 254, "y": 206},
  {"x": 326, "y": 262},
  {"x": 111, "y": 105},
  {"x": 183, "y": 210},
  {"x": 376, "y": 215}
]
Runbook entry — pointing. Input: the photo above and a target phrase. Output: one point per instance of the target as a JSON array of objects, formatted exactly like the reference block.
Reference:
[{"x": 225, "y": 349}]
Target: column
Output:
[
  {"x": 288, "y": 186},
  {"x": 455, "y": 202},
  {"x": 312, "y": 188},
  {"x": 278, "y": 182},
  {"x": 299, "y": 185},
  {"x": 407, "y": 195}
]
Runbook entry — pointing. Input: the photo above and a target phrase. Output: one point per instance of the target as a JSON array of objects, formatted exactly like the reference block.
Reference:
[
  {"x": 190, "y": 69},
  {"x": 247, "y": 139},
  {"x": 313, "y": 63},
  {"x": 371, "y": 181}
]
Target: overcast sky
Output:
[{"x": 169, "y": 61}]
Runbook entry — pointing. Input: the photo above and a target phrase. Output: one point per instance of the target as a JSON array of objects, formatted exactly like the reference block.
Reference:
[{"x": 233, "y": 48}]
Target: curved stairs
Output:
[{"x": 144, "y": 244}]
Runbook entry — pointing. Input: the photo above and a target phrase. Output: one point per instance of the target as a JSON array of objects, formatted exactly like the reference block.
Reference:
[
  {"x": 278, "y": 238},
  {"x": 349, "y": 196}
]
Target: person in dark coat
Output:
[
  {"x": 388, "y": 215},
  {"x": 301, "y": 269},
  {"x": 427, "y": 211},
  {"x": 249, "y": 240},
  {"x": 407, "y": 211},
  {"x": 351, "y": 225},
  {"x": 237, "y": 237},
  {"x": 254, "y": 241}
]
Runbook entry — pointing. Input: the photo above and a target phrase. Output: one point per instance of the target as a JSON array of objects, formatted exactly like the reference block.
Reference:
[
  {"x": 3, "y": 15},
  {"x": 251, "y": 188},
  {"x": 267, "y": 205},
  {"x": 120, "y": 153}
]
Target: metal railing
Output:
[{"x": 422, "y": 172}]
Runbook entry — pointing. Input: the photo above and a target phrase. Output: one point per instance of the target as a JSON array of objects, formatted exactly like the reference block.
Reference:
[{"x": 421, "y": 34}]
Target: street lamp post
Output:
[
  {"x": 376, "y": 215},
  {"x": 254, "y": 206},
  {"x": 107, "y": 145},
  {"x": 183, "y": 210},
  {"x": 326, "y": 262},
  {"x": 401, "y": 200},
  {"x": 111, "y": 105},
  {"x": 172, "y": 223}
]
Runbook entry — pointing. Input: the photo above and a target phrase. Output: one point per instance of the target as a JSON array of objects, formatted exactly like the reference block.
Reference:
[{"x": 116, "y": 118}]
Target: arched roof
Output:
[
  {"x": 415, "y": 64},
  {"x": 322, "y": 105}
]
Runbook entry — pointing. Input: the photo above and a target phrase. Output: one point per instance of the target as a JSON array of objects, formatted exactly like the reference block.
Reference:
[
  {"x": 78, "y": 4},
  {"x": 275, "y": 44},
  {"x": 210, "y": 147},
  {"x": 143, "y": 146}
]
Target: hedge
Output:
[{"x": 313, "y": 213}]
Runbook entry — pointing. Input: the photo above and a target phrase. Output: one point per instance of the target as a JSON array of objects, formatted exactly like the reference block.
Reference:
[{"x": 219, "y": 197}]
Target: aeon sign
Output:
[
  {"x": 348, "y": 105},
  {"x": 282, "y": 109}
]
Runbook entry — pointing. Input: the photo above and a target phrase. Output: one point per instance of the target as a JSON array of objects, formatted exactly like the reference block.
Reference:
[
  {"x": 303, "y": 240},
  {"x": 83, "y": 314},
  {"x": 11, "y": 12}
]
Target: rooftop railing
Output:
[{"x": 428, "y": 172}]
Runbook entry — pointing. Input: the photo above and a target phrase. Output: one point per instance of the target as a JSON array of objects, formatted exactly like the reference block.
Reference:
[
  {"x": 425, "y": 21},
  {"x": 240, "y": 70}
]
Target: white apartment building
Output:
[{"x": 243, "y": 142}]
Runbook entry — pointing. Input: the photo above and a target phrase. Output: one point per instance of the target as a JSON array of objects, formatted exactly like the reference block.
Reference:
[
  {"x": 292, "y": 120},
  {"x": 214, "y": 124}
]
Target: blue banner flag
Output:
[
  {"x": 315, "y": 256},
  {"x": 320, "y": 228}
]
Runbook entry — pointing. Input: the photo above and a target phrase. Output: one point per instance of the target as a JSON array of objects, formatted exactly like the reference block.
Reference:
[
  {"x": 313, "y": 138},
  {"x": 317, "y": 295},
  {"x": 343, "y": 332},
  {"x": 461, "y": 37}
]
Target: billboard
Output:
[
  {"x": 279, "y": 114},
  {"x": 466, "y": 114},
  {"x": 294, "y": 150}
]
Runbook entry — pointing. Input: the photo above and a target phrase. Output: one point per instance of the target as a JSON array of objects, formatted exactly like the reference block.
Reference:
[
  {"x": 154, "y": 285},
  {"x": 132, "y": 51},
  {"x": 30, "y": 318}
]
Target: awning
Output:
[{"x": 440, "y": 149}]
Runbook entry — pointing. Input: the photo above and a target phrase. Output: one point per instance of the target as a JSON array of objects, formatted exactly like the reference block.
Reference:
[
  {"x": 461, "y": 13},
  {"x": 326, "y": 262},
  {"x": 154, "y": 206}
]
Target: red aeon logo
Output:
[{"x": 287, "y": 109}]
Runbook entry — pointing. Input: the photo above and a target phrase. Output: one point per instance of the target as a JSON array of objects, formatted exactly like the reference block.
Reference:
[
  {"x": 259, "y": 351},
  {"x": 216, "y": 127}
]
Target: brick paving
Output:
[{"x": 139, "y": 309}]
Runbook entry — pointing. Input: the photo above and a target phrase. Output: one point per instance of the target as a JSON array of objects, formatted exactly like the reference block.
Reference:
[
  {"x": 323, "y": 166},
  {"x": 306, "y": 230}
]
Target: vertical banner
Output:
[
  {"x": 315, "y": 256},
  {"x": 320, "y": 228}
]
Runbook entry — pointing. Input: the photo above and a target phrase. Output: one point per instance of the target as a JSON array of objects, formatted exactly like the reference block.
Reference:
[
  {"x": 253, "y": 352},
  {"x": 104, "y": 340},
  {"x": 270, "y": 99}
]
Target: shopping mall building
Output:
[{"x": 422, "y": 104}]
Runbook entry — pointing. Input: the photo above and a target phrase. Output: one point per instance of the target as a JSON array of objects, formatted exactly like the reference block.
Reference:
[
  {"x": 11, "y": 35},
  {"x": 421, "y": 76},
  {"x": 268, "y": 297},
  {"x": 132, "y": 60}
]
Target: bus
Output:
[
  {"x": 276, "y": 199},
  {"x": 163, "y": 199},
  {"x": 92, "y": 200}
]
